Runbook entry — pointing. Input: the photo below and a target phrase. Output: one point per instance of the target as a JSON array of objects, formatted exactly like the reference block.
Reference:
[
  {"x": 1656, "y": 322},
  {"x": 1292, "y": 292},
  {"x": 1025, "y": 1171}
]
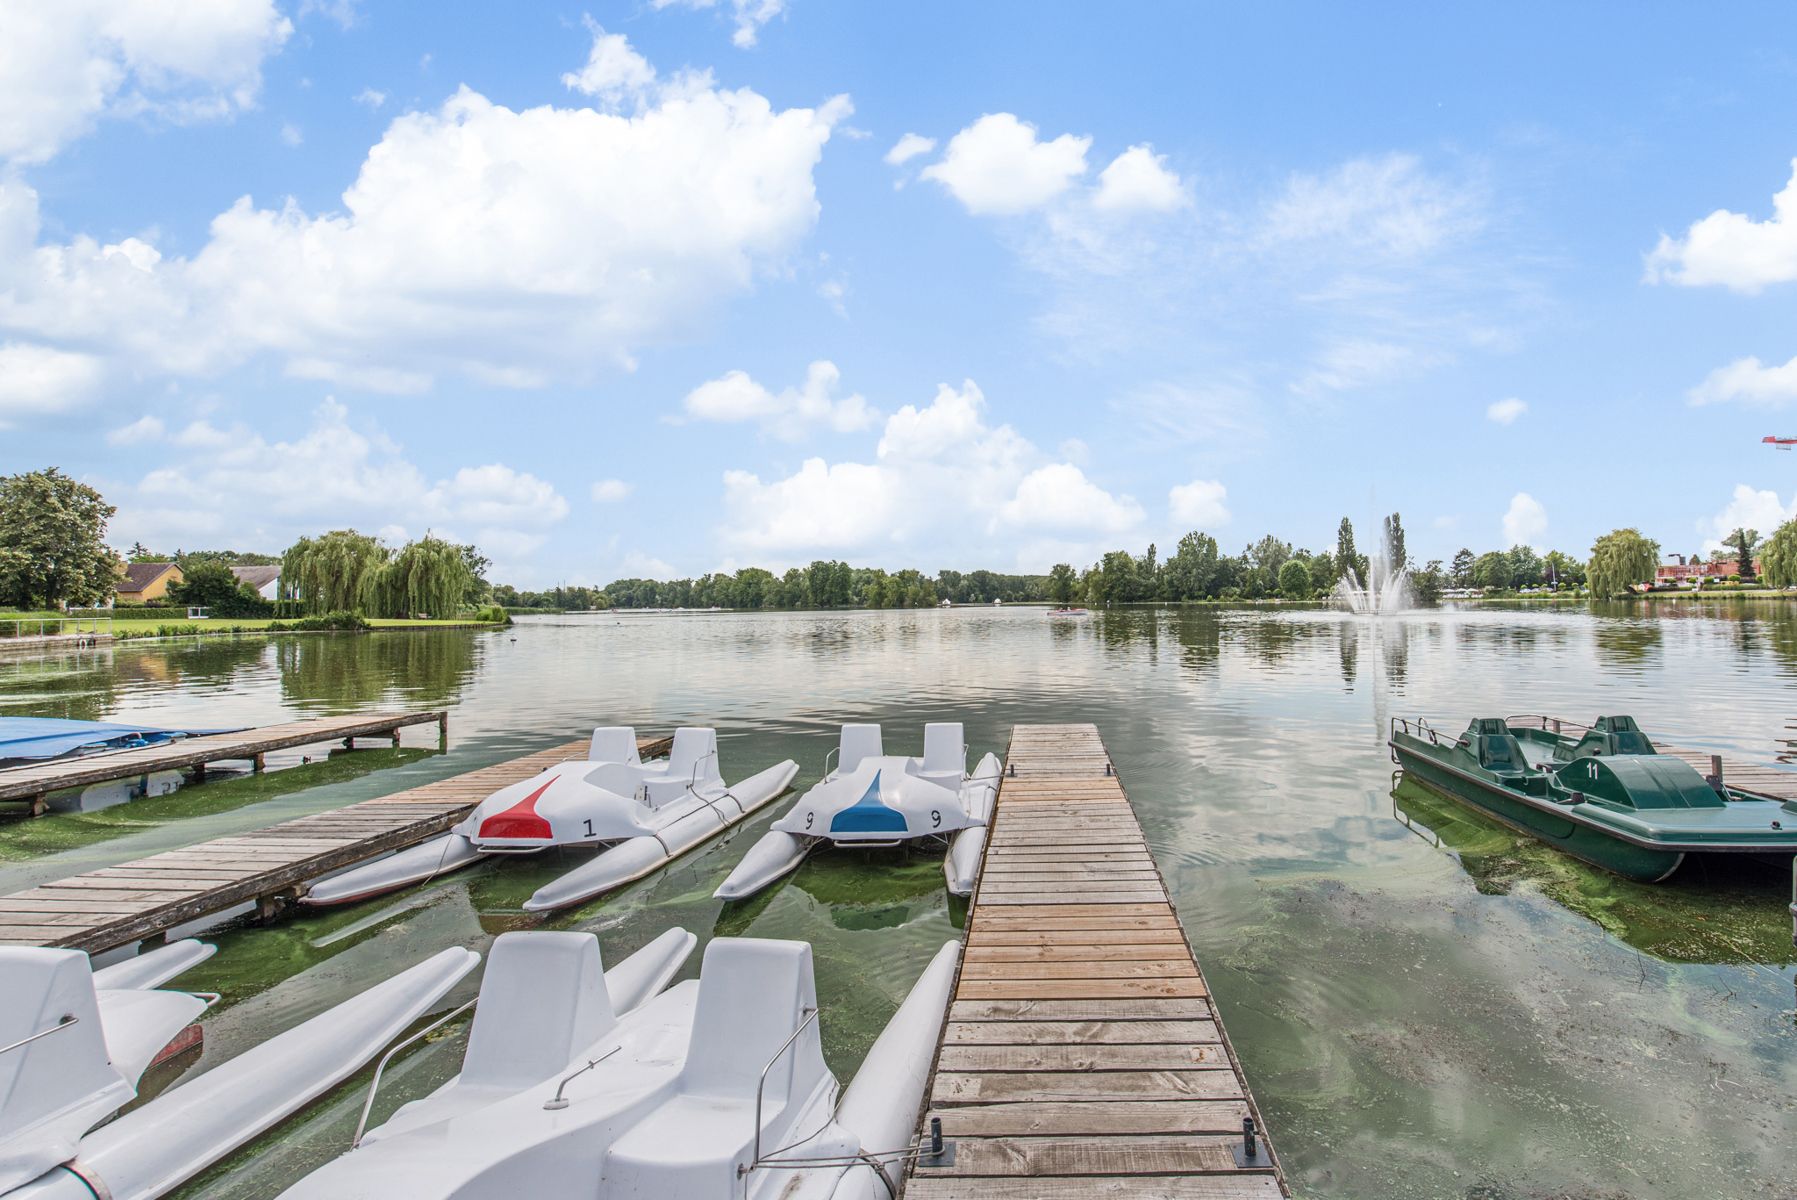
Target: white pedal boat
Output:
[
  {"x": 873, "y": 799},
  {"x": 716, "y": 1088},
  {"x": 65, "y": 1067},
  {"x": 644, "y": 815}
]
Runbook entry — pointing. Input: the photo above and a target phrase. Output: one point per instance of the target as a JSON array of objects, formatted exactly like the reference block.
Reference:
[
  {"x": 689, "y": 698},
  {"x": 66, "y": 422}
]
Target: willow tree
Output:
[
  {"x": 1619, "y": 560},
  {"x": 338, "y": 571},
  {"x": 430, "y": 576},
  {"x": 1778, "y": 558}
]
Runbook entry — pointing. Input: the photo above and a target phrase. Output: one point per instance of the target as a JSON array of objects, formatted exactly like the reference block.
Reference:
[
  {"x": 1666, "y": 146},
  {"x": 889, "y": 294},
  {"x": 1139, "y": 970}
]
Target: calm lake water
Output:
[{"x": 1414, "y": 1021}]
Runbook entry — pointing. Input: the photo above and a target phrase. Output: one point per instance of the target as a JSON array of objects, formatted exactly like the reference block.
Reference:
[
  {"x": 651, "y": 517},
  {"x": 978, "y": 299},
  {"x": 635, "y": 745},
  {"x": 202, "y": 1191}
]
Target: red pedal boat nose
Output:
[{"x": 519, "y": 821}]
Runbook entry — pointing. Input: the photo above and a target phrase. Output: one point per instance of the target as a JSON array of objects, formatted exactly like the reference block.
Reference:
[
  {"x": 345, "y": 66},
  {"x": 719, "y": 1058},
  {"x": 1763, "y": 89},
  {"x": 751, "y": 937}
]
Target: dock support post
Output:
[
  {"x": 1716, "y": 766},
  {"x": 257, "y": 763},
  {"x": 443, "y": 731},
  {"x": 39, "y": 803},
  {"x": 349, "y": 743},
  {"x": 154, "y": 942},
  {"x": 274, "y": 904}
]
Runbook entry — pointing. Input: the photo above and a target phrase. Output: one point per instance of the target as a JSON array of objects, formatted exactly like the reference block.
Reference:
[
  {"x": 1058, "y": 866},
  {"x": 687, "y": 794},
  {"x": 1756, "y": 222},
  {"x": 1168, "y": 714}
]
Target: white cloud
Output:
[
  {"x": 1748, "y": 508},
  {"x": 613, "y": 71},
  {"x": 41, "y": 380},
  {"x": 1525, "y": 519},
  {"x": 1732, "y": 249},
  {"x": 749, "y": 15},
  {"x": 371, "y": 97},
  {"x": 789, "y": 414},
  {"x": 610, "y": 491},
  {"x": 1389, "y": 204},
  {"x": 997, "y": 166},
  {"x": 1138, "y": 180},
  {"x": 942, "y": 480},
  {"x": 637, "y": 565},
  {"x": 261, "y": 494},
  {"x": 66, "y": 63},
  {"x": 1200, "y": 504},
  {"x": 291, "y": 134},
  {"x": 1505, "y": 412},
  {"x": 1352, "y": 363},
  {"x": 908, "y": 148},
  {"x": 343, "y": 12},
  {"x": 1750, "y": 381},
  {"x": 144, "y": 429},
  {"x": 1059, "y": 497},
  {"x": 511, "y": 247},
  {"x": 834, "y": 292}
]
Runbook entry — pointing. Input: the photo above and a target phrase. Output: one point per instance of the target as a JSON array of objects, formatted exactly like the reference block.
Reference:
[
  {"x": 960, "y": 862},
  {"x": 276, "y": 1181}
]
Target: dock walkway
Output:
[
  {"x": 32, "y": 783},
  {"x": 1082, "y": 1056},
  {"x": 117, "y": 905}
]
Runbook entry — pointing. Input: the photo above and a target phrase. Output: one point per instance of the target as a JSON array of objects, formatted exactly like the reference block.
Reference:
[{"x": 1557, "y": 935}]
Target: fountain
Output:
[{"x": 1386, "y": 589}]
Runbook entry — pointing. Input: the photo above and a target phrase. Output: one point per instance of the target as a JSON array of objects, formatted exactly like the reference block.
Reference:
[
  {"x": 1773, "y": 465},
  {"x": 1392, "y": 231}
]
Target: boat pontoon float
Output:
[
  {"x": 1599, "y": 792},
  {"x": 871, "y": 799},
  {"x": 641, "y": 816},
  {"x": 716, "y": 1088},
  {"x": 64, "y": 1069}
]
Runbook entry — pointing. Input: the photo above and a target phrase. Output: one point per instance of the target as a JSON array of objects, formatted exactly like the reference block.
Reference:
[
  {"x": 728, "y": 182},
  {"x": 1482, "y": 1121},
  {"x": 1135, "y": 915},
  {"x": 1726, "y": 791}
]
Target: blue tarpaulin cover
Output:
[{"x": 33, "y": 739}]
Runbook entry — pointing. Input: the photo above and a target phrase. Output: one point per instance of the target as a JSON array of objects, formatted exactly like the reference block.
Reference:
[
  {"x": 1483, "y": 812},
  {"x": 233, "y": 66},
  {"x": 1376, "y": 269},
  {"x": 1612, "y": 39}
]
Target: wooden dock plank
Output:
[
  {"x": 1081, "y": 1056},
  {"x": 116, "y": 905}
]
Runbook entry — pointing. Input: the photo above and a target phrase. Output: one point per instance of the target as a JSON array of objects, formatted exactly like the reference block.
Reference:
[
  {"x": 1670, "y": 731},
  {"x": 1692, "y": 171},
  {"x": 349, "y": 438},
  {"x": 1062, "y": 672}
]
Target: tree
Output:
[
  {"x": 1347, "y": 559},
  {"x": 1779, "y": 557},
  {"x": 1396, "y": 556},
  {"x": 1192, "y": 571},
  {"x": 1742, "y": 541},
  {"x": 52, "y": 541},
  {"x": 1525, "y": 566},
  {"x": 1462, "y": 570},
  {"x": 1060, "y": 584},
  {"x": 1492, "y": 570},
  {"x": 336, "y": 571},
  {"x": 1619, "y": 560},
  {"x": 1562, "y": 570},
  {"x": 1426, "y": 583},
  {"x": 477, "y": 564},
  {"x": 1294, "y": 580},
  {"x": 211, "y": 585},
  {"x": 429, "y": 576}
]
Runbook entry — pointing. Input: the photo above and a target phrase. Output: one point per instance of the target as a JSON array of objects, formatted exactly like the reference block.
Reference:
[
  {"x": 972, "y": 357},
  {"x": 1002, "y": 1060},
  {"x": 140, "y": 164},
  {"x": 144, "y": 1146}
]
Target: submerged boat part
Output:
[
  {"x": 714, "y": 1088},
  {"x": 1602, "y": 794},
  {"x": 416, "y": 864},
  {"x": 152, "y": 1149},
  {"x": 153, "y": 968}
]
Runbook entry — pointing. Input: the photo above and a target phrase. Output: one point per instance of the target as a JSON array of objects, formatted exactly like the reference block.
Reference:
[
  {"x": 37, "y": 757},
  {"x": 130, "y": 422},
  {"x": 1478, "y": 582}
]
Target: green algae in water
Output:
[
  {"x": 1700, "y": 915},
  {"x": 28, "y": 838}
]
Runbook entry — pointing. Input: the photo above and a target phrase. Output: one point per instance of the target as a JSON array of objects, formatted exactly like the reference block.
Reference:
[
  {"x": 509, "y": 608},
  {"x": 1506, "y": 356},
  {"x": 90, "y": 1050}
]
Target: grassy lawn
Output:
[{"x": 138, "y": 624}]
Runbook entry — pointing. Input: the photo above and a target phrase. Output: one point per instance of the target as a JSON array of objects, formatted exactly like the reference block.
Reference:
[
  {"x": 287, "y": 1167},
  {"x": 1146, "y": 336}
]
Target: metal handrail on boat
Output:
[
  {"x": 761, "y": 1085},
  {"x": 1419, "y": 727},
  {"x": 834, "y": 750},
  {"x": 558, "y": 1101},
  {"x": 26, "y": 1041},
  {"x": 1550, "y": 724},
  {"x": 374, "y": 1085}
]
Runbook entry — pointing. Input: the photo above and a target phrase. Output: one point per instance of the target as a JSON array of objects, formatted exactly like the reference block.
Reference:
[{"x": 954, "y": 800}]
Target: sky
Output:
[{"x": 672, "y": 286}]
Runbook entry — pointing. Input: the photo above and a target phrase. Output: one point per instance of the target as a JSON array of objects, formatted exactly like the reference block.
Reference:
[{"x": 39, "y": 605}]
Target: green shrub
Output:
[
  {"x": 336, "y": 622},
  {"x": 493, "y": 614}
]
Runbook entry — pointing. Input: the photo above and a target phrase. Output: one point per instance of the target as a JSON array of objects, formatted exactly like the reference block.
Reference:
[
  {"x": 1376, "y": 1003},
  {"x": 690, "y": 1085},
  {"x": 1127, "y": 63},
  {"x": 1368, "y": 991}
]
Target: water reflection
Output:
[{"x": 335, "y": 673}]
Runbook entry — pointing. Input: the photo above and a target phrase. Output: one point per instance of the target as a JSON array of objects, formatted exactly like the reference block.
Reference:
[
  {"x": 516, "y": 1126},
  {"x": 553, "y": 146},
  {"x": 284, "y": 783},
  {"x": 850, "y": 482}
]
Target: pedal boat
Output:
[
  {"x": 70, "y": 1056},
  {"x": 1600, "y": 793},
  {"x": 641, "y": 816},
  {"x": 715, "y": 1088},
  {"x": 874, "y": 799}
]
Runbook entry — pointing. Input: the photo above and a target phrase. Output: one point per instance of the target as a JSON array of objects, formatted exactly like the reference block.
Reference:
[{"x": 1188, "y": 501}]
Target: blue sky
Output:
[{"x": 638, "y": 288}]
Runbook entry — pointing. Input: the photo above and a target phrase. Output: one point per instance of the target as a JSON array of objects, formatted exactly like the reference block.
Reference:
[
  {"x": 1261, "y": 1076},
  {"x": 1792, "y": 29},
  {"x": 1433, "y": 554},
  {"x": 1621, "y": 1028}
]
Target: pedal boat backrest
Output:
[
  {"x": 695, "y": 754},
  {"x": 944, "y": 752},
  {"x": 753, "y": 994},
  {"x": 1611, "y": 736},
  {"x": 57, "y": 1080},
  {"x": 858, "y": 742},
  {"x": 542, "y": 1002},
  {"x": 1496, "y": 746},
  {"x": 613, "y": 743}
]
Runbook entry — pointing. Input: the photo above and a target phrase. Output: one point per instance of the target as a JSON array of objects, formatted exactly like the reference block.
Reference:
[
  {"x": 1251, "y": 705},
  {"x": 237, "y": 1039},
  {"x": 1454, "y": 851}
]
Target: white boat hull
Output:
[
  {"x": 151, "y": 1150},
  {"x": 426, "y": 860},
  {"x": 647, "y": 973},
  {"x": 634, "y": 858},
  {"x": 775, "y": 855},
  {"x": 153, "y": 968}
]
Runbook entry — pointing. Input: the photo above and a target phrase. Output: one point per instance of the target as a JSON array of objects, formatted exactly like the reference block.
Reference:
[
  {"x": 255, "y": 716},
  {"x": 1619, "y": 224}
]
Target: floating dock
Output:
[
  {"x": 114, "y": 906},
  {"x": 1082, "y": 1056},
  {"x": 32, "y": 783}
]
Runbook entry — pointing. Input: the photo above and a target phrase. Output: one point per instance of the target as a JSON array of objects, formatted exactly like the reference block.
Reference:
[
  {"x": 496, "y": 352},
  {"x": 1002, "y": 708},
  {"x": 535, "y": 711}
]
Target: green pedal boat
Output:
[{"x": 1599, "y": 792}]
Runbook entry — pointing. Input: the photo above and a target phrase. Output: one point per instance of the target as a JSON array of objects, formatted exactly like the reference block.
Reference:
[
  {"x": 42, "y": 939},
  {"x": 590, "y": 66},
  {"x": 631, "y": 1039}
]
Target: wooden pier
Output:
[
  {"x": 32, "y": 783},
  {"x": 1082, "y": 1056},
  {"x": 117, "y": 905}
]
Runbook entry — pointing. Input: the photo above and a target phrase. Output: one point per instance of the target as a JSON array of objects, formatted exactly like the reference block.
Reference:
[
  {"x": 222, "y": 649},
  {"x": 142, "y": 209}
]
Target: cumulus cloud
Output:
[
  {"x": 1505, "y": 412},
  {"x": 514, "y": 248},
  {"x": 1525, "y": 519},
  {"x": 749, "y": 15},
  {"x": 610, "y": 491},
  {"x": 908, "y": 148},
  {"x": 1732, "y": 249},
  {"x": 998, "y": 166},
  {"x": 790, "y": 413},
  {"x": 374, "y": 98},
  {"x": 1138, "y": 180},
  {"x": 36, "y": 380},
  {"x": 144, "y": 429},
  {"x": 1751, "y": 382},
  {"x": 1200, "y": 504},
  {"x": 63, "y": 65},
  {"x": 1747, "y": 508},
  {"x": 234, "y": 483},
  {"x": 614, "y": 70},
  {"x": 941, "y": 479}
]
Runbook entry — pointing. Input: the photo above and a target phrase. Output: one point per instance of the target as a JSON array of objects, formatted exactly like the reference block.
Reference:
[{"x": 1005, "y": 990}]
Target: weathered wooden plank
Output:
[
  {"x": 1111, "y": 1033},
  {"x": 1083, "y": 1086},
  {"x": 1095, "y": 1057},
  {"x": 1161, "y": 968},
  {"x": 1072, "y": 951},
  {"x": 1005, "y": 896},
  {"x": 929, "y": 1185},
  {"x": 1078, "y": 989},
  {"x": 1096, "y": 1156},
  {"x": 1041, "y": 1118},
  {"x": 998, "y": 933}
]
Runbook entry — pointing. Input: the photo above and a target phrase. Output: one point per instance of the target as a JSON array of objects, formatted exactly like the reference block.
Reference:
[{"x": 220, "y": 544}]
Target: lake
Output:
[{"x": 1424, "y": 1006}]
